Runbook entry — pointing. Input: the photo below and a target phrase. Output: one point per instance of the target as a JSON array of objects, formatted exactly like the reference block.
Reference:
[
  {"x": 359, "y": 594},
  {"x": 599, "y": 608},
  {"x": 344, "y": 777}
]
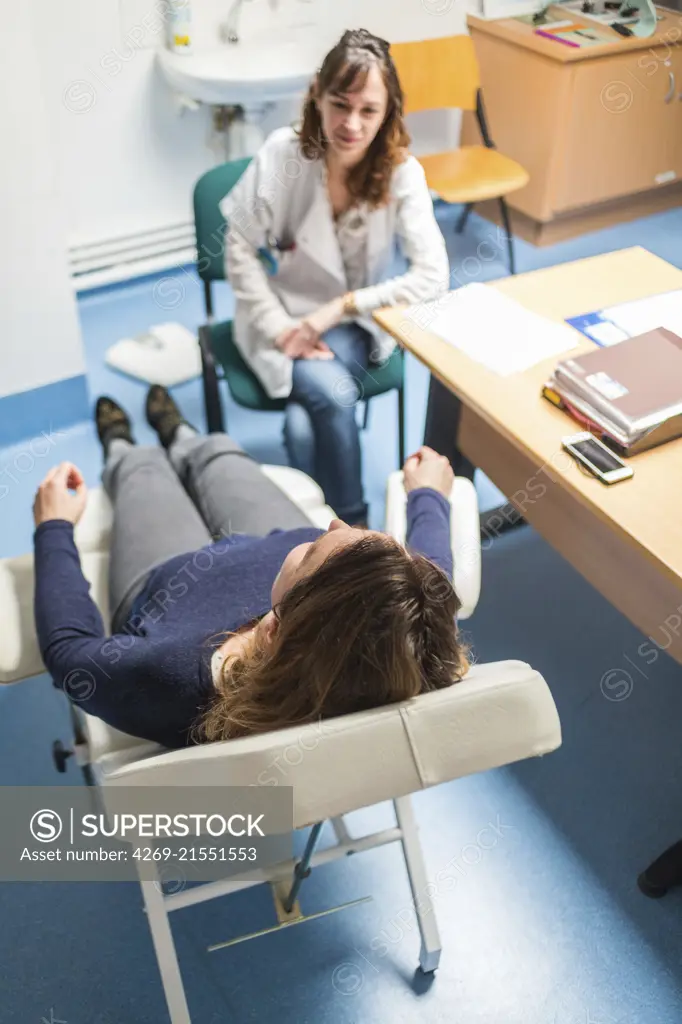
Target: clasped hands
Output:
[{"x": 304, "y": 339}]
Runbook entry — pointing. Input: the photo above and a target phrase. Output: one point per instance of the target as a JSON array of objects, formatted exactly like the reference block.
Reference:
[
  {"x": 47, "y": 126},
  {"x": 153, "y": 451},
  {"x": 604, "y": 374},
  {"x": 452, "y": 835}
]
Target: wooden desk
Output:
[
  {"x": 598, "y": 128},
  {"x": 625, "y": 539}
]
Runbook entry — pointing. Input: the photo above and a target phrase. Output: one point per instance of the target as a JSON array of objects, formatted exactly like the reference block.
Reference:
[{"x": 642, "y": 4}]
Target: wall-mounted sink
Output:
[{"x": 252, "y": 71}]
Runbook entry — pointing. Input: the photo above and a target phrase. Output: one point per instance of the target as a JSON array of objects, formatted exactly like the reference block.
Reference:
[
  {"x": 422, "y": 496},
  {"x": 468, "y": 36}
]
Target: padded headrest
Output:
[{"x": 500, "y": 713}]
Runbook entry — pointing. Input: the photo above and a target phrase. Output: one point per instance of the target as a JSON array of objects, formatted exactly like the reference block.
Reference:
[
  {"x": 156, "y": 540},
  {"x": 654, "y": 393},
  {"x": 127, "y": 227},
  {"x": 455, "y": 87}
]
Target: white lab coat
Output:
[{"x": 281, "y": 199}]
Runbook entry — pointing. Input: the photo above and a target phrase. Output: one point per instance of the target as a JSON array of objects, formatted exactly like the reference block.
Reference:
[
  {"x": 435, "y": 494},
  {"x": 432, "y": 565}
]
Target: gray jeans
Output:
[{"x": 206, "y": 487}]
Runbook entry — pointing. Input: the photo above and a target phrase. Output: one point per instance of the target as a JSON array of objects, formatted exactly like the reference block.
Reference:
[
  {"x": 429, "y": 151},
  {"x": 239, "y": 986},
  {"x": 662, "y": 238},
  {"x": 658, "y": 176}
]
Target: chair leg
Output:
[
  {"x": 215, "y": 420},
  {"x": 463, "y": 218},
  {"x": 365, "y": 415},
  {"x": 429, "y": 955},
  {"x": 208, "y": 300},
  {"x": 166, "y": 955},
  {"x": 401, "y": 426},
  {"x": 302, "y": 869},
  {"x": 510, "y": 238},
  {"x": 340, "y": 831}
]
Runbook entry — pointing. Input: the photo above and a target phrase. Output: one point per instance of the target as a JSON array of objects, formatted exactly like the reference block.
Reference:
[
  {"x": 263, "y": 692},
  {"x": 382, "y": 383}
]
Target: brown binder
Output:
[{"x": 633, "y": 390}]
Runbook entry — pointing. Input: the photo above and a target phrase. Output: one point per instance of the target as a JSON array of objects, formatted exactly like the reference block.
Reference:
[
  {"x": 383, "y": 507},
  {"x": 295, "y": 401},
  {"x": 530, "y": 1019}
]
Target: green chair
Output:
[{"x": 220, "y": 357}]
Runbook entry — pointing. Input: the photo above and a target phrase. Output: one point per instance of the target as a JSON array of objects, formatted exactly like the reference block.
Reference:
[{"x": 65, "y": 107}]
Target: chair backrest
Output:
[
  {"x": 209, "y": 222},
  {"x": 499, "y": 713},
  {"x": 437, "y": 73}
]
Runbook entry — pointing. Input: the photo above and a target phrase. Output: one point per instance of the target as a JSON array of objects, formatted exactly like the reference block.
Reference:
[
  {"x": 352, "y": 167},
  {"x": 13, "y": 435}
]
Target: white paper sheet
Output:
[
  {"x": 642, "y": 315},
  {"x": 491, "y": 328}
]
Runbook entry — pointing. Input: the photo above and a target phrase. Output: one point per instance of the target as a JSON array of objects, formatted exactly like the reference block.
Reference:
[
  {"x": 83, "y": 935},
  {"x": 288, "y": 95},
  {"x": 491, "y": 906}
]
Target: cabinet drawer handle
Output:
[{"x": 671, "y": 91}]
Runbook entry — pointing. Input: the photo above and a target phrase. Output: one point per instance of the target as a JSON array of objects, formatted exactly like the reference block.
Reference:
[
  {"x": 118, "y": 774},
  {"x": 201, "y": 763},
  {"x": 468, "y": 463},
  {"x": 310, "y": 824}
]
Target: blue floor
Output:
[{"x": 545, "y": 927}]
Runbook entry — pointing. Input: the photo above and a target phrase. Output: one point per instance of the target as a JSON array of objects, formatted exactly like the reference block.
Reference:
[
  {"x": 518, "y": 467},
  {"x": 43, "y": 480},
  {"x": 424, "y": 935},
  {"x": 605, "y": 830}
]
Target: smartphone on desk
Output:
[{"x": 596, "y": 457}]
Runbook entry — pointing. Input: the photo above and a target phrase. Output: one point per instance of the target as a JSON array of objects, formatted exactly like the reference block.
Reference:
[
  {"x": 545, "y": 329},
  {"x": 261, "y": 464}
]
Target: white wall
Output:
[
  {"x": 125, "y": 158},
  {"x": 96, "y": 148},
  {"x": 39, "y": 332}
]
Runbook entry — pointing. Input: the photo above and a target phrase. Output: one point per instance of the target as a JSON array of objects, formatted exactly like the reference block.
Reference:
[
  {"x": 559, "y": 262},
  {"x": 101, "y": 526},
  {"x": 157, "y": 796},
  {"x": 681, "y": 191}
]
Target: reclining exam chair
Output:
[{"x": 500, "y": 713}]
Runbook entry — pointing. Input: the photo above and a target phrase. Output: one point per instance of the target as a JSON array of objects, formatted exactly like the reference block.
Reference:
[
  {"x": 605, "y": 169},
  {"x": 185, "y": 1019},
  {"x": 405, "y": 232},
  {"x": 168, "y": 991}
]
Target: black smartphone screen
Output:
[{"x": 601, "y": 459}]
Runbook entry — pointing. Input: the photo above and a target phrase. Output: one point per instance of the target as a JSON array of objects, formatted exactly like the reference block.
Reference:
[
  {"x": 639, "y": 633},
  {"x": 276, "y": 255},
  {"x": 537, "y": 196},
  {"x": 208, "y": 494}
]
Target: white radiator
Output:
[{"x": 124, "y": 257}]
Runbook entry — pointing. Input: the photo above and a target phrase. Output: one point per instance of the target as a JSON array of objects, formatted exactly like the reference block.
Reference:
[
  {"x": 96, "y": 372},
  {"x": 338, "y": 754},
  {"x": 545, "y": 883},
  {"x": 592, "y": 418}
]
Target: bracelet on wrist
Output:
[{"x": 349, "y": 307}]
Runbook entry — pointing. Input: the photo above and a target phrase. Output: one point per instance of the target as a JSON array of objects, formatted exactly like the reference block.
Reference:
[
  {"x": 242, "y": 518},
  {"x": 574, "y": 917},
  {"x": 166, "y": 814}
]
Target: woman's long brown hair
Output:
[
  {"x": 372, "y": 625},
  {"x": 345, "y": 69}
]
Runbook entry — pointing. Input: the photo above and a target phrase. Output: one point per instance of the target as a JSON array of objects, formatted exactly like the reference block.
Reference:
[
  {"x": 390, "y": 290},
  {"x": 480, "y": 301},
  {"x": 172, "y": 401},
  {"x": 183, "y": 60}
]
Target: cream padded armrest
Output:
[
  {"x": 19, "y": 653},
  {"x": 465, "y": 533},
  {"x": 93, "y": 531},
  {"x": 500, "y": 713}
]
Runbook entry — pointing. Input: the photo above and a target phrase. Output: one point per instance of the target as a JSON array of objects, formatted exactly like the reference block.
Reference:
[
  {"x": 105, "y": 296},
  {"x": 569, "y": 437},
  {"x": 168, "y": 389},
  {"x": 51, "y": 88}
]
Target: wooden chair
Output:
[{"x": 443, "y": 73}]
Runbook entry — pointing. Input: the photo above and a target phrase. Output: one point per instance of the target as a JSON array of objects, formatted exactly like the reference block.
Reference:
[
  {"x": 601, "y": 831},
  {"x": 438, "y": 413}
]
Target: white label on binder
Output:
[{"x": 606, "y": 386}]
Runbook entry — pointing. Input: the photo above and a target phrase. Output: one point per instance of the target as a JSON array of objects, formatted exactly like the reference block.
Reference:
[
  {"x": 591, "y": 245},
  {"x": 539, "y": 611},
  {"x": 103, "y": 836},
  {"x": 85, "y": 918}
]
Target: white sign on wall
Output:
[{"x": 509, "y": 8}]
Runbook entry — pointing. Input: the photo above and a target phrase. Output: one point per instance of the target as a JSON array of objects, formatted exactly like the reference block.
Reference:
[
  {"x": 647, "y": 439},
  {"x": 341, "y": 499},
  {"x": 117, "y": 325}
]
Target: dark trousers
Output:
[
  {"x": 443, "y": 414},
  {"x": 170, "y": 504}
]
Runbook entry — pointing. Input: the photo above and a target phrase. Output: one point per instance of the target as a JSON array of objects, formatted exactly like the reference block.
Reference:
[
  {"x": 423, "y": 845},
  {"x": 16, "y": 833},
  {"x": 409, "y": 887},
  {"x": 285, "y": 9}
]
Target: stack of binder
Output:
[{"x": 630, "y": 393}]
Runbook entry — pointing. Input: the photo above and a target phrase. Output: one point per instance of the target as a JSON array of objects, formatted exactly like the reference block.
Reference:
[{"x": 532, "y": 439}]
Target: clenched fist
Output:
[{"x": 427, "y": 468}]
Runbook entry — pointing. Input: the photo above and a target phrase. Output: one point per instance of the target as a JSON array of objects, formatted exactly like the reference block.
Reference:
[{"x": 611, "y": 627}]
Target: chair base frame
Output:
[{"x": 159, "y": 905}]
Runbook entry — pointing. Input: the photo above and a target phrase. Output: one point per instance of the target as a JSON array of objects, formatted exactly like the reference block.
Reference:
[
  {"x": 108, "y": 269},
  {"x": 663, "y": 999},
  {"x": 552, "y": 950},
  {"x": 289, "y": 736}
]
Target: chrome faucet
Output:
[{"x": 229, "y": 30}]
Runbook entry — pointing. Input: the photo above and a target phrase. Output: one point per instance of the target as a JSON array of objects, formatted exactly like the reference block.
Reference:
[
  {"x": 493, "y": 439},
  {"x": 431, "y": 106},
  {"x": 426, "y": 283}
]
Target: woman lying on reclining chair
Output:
[{"x": 231, "y": 613}]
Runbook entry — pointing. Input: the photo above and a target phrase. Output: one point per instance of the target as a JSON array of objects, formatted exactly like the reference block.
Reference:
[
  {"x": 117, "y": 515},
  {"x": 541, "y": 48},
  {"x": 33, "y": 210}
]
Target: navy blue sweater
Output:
[{"x": 153, "y": 679}]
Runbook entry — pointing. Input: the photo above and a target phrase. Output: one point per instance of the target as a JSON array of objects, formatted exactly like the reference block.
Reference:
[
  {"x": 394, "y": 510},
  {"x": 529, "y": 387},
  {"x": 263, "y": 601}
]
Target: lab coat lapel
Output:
[
  {"x": 316, "y": 235},
  {"x": 378, "y": 238}
]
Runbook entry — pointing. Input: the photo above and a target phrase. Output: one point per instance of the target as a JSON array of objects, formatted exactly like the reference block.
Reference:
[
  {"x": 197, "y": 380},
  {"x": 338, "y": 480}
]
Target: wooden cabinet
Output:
[
  {"x": 622, "y": 130},
  {"x": 676, "y": 109},
  {"x": 598, "y": 128}
]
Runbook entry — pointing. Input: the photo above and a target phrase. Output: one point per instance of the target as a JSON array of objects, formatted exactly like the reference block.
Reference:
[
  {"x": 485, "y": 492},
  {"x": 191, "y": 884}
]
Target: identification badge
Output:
[{"x": 268, "y": 259}]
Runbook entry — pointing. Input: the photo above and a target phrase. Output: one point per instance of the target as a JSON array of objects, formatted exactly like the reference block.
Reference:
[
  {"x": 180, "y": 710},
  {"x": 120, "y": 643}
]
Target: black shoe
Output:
[
  {"x": 112, "y": 422},
  {"x": 496, "y": 521},
  {"x": 163, "y": 414}
]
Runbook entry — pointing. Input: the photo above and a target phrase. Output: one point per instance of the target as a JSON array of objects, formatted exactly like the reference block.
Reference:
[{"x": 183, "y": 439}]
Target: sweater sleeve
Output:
[
  {"x": 428, "y": 527},
  {"x": 67, "y": 619},
  {"x": 422, "y": 243},
  {"x": 122, "y": 679}
]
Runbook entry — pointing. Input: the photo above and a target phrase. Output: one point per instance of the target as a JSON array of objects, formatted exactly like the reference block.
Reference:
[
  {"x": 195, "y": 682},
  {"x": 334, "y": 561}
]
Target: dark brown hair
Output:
[
  {"x": 345, "y": 68},
  {"x": 372, "y": 625}
]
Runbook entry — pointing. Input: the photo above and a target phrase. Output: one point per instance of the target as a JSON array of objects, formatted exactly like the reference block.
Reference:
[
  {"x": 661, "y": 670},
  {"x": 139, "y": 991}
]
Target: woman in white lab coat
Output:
[{"x": 326, "y": 224}]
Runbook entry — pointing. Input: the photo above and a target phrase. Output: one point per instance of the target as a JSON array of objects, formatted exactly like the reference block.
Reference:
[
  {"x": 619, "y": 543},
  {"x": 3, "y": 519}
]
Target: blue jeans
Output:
[{"x": 320, "y": 430}]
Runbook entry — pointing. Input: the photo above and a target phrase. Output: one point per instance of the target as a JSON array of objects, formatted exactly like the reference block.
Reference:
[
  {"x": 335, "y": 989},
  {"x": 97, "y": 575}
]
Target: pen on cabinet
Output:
[{"x": 557, "y": 39}]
